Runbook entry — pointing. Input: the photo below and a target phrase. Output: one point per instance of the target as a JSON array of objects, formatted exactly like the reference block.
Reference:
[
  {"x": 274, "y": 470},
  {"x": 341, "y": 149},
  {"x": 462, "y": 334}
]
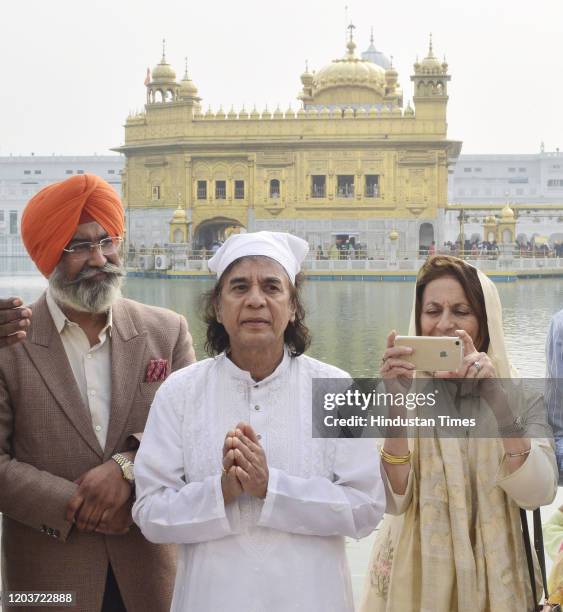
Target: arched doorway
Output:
[
  {"x": 215, "y": 231},
  {"x": 425, "y": 237}
]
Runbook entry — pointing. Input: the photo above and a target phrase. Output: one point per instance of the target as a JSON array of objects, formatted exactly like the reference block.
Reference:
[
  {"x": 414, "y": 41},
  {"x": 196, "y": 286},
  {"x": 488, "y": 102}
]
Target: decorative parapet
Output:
[
  {"x": 324, "y": 112},
  {"x": 136, "y": 117}
]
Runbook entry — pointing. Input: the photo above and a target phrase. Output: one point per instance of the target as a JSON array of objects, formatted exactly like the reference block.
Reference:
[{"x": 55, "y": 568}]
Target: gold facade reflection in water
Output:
[{"x": 352, "y": 153}]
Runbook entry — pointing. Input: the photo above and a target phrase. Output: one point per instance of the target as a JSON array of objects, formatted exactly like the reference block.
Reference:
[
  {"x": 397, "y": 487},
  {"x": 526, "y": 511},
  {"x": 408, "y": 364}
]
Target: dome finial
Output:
[
  {"x": 430, "y": 51},
  {"x": 351, "y": 44},
  {"x": 371, "y": 36},
  {"x": 163, "y": 60},
  {"x": 306, "y": 65},
  {"x": 186, "y": 69}
]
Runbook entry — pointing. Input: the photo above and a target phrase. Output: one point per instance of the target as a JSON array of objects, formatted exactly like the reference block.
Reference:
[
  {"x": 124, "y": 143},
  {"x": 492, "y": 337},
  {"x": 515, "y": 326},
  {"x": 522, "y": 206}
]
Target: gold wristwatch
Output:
[{"x": 127, "y": 467}]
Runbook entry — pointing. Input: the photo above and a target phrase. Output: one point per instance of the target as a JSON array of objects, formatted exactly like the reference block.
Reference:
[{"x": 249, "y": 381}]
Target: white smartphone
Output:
[{"x": 433, "y": 353}]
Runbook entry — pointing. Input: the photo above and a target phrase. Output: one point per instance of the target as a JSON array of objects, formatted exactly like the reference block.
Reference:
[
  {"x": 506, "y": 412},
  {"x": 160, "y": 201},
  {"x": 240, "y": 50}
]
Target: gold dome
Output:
[
  {"x": 179, "y": 215},
  {"x": 187, "y": 86},
  {"x": 349, "y": 73},
  {"x": 507, "y": 213},
  {"x": 307, "y": 77},
  {"x": 430, "y": 64},
  {"x": 393, "y": 235},
  {"x": 163, "y": 72}
]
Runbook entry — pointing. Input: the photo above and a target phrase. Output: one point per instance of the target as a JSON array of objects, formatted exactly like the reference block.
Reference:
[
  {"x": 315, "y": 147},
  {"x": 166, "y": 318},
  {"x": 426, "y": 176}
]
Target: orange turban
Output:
[{"x": 51, "y": 217}]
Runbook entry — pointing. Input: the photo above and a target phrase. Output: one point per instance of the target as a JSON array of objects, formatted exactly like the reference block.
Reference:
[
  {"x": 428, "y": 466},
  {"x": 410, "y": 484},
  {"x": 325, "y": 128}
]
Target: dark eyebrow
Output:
[
  {"x": 453, "y": 305},
  {"x": 243, "y": 279},
  {"x": 272, "y": 279},
  {"x": 238, "y": 279}
]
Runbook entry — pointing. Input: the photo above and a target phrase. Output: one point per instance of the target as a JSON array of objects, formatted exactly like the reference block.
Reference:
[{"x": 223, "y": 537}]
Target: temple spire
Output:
[
  {"x": 430, "y": 50},
  {"x": 351, "y": 45}
]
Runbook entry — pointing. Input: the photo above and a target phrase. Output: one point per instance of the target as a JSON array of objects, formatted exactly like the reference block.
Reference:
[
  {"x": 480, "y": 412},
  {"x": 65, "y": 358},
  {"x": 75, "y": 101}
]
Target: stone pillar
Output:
[{"x": 391, "y": 250}]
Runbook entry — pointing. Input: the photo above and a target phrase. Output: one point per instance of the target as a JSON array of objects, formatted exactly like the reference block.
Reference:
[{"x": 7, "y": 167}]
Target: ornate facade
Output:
[{"x": 352, "y": 162}]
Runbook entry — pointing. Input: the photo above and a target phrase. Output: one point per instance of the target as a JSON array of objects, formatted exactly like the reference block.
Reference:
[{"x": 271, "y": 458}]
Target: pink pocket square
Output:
[{"x": 157, "y": 370}]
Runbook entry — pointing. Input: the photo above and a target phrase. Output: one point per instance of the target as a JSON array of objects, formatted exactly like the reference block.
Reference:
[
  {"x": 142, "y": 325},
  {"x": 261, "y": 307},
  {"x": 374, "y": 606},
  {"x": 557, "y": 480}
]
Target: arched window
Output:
[
  {"x": 169, "y": 96},
  {"x": 274, "y": 188},
  {"x": 158, "y": 96},
  {"x": 425, "y": 237}
]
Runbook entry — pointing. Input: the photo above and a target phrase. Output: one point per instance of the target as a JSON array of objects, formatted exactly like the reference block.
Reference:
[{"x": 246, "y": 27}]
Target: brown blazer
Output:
[{"x": 47, "y": 441}]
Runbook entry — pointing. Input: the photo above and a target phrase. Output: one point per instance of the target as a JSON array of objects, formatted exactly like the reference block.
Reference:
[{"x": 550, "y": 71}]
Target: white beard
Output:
[{"x": 87, "y": 295}]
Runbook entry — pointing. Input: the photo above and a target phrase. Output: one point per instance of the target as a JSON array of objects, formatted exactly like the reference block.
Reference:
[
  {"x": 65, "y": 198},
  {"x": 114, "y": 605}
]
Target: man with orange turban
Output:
[{"x": 77, "y": 378}]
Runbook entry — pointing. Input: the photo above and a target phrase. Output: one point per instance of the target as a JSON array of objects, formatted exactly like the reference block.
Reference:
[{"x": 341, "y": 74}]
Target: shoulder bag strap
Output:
[
  {"x": 528, "y": 549},
  {"x": 538, "y": 545}
]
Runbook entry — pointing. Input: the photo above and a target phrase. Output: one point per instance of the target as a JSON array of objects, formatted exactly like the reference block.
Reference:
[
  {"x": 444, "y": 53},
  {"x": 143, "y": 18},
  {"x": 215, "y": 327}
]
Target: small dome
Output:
[
  {"x": 490, "y": 219},
  {"x": 163, "y": 72},
  {"x": 430, "y": 64},
  {"x": 393, "y": 235},
  {"x": 307, "y": 77},
  {"x": 187, "y": 87},
  {"x": 507, "y": 213},
  {"x": 179, "y": 215},
  {"x": 391, "y": 73}
]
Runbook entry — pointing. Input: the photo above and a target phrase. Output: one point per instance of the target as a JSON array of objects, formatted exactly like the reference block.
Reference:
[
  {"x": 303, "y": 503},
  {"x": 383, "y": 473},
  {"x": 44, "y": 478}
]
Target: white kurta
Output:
[{"x": 279, "y": 554}]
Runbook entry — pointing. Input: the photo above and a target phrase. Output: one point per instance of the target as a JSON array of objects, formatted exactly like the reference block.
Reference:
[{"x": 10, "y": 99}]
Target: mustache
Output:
[{"x": 88, "y": 272}]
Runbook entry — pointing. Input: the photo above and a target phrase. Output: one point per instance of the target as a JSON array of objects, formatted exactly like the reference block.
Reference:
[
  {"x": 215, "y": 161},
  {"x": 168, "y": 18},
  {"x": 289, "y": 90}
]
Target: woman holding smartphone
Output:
[{"x": 451, "y": 539}]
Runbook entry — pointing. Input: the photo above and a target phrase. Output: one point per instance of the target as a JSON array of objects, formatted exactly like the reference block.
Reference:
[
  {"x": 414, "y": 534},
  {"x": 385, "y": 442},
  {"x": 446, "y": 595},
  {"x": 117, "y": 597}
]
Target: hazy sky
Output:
[{"x": 72, "y": 70}]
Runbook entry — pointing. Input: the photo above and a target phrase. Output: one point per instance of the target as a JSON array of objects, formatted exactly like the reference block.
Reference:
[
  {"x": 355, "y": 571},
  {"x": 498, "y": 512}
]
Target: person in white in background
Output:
[{"x": 228, "y": 467}]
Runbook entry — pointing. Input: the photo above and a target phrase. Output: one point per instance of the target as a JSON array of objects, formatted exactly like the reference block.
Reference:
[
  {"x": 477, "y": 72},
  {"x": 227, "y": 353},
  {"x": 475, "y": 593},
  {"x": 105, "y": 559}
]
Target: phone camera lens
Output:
[{"x": 457, "y": 342}]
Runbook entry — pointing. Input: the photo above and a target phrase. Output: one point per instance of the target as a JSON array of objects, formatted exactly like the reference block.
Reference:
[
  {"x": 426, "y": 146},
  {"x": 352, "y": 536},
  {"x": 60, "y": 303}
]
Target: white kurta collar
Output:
[{"x": 235, "y": 372}]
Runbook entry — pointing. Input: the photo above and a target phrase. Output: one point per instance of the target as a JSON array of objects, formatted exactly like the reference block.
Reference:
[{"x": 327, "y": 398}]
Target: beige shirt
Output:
[{"x": 91, "y": 366}]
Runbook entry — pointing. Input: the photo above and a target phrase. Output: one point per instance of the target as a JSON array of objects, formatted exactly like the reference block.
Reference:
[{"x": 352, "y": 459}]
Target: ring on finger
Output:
[{"x": 477, "y": 365}]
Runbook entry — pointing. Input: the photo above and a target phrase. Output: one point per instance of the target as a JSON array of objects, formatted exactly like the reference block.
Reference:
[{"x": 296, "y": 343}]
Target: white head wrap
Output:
[{"x": 288, "y": 250}]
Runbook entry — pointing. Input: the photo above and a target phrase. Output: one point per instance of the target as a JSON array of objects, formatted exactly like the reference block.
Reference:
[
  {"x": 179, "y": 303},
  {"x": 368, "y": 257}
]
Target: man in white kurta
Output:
[{"x": 285, "y": 552}]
